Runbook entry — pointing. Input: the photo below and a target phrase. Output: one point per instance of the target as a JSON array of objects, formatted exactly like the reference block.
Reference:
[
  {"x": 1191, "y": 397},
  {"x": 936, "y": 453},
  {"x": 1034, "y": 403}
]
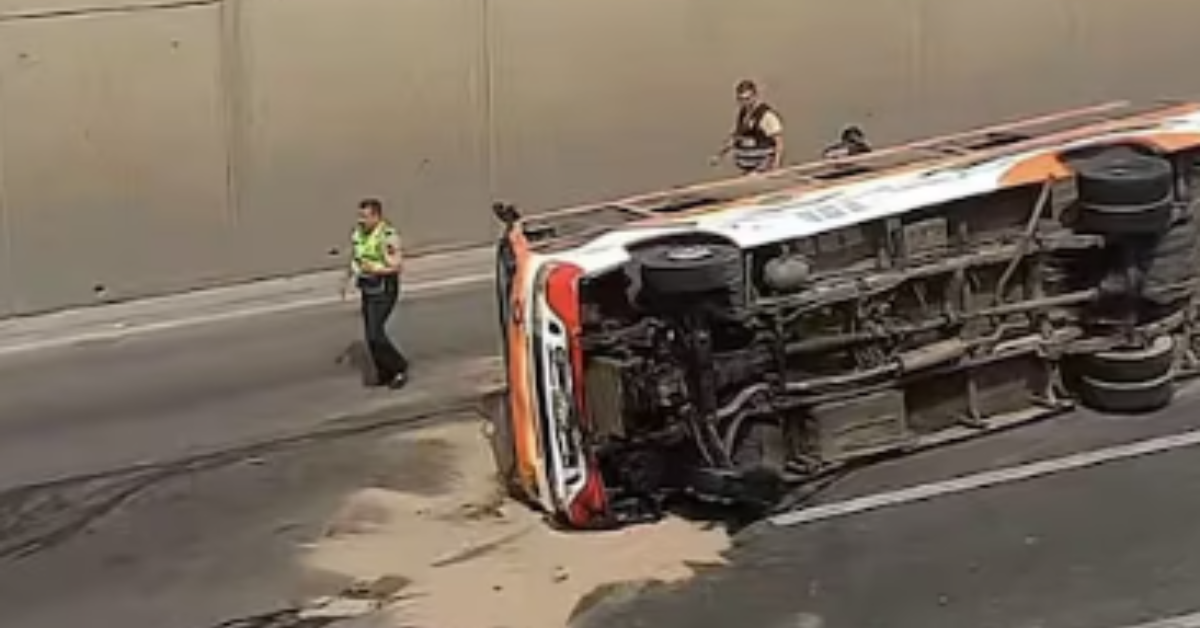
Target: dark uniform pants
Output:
[{"x": 379, "y": 297}]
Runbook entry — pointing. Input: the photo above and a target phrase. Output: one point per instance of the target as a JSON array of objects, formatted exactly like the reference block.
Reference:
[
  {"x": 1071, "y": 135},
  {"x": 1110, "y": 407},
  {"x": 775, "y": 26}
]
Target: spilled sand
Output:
[{"x": 469, "y": 558}]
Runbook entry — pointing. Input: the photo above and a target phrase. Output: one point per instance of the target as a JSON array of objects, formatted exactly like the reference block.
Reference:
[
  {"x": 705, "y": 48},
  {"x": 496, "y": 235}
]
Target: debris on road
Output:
[
  {"x": 456, "y": 540},
  {"x": 360, "y": 600}
]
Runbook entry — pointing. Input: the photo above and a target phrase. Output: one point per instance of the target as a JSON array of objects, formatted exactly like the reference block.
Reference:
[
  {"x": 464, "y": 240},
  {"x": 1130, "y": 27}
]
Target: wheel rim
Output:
[{"x": 689, "y": 253}]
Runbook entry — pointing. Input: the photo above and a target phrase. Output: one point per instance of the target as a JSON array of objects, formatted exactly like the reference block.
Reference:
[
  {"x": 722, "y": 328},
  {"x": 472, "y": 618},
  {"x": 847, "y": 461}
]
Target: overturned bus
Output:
[{"x": 760, "y": 332}]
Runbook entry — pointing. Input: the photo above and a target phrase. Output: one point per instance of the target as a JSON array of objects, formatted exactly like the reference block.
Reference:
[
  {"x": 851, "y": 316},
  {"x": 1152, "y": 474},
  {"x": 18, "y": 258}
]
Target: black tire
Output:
[
  {"x": 1127, "y": 398},
  {"x": 690, "y": 269},
  {"x": 1168, "y": 262},
  {"x": 1121, "y": 366},
  {"x": 1122, "y": 192}
]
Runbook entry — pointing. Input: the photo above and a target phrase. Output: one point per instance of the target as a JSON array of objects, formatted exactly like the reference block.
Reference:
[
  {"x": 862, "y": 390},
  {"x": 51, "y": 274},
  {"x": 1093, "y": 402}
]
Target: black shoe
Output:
[{"x": 398, "y": 382}]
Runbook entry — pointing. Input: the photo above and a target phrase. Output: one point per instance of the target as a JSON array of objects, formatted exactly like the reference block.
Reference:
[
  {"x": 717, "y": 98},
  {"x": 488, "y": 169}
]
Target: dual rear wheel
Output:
[
  {"x": 1128, "y": 197},
  {"x": 1128, "y": 381}
]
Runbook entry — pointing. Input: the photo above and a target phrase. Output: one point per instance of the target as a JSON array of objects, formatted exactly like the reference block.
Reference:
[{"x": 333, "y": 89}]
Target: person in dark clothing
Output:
[
  {"x": 757, "y": 138},
  {"x": 375, "y": 270},
  {"x": 853, "y": 141}
]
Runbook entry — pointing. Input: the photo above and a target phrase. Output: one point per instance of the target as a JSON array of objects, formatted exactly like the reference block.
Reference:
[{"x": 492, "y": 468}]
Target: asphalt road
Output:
[
  {"x": 83, "y": 543},
  {"x": 144, "y": 398},
  {"x": 1108, "y": 546},
  {"x": 206, "y": 545},
  {"x": 198, "y": 545},
  {"x": 193, "y": 545}
]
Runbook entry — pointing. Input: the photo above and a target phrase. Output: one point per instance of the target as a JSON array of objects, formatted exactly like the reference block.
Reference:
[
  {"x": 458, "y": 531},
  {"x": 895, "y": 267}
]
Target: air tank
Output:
[{"x": 787, "y": 273}]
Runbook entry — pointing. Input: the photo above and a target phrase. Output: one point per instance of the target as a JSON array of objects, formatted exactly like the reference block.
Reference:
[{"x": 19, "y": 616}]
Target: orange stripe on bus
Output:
[
  {"x": 1049, "y": 166},
  {"x": 1036, "y": 169},
  {"x": 520, "y": 407}
]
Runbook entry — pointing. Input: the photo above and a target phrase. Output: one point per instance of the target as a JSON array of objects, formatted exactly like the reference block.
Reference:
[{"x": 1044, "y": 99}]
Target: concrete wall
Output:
[{"x": 145, "y": 149}]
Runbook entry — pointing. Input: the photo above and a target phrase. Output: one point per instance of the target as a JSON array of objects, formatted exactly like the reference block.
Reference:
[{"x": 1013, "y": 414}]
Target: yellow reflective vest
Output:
[{"x": 371, "y": 247}]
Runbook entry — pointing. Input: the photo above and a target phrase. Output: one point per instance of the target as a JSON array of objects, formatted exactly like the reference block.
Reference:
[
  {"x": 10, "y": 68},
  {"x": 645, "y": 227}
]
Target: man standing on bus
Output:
[
  {"x": 852, "y": 142},
  {"x": 757, "y": 138}
]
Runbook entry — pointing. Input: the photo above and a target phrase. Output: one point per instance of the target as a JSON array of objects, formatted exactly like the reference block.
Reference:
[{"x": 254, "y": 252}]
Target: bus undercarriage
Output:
[{"x": 731, "y": 374}]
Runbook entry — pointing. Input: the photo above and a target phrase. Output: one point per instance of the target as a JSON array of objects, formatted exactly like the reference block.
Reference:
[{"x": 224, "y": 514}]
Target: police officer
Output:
[
  {"x": 757, "y": 138},
  {"x": 375, "y": 270}
]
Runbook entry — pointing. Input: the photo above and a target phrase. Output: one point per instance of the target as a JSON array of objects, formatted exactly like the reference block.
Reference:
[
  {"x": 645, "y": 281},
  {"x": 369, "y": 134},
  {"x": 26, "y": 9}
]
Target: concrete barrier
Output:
[{"x": 149, "y": 147}]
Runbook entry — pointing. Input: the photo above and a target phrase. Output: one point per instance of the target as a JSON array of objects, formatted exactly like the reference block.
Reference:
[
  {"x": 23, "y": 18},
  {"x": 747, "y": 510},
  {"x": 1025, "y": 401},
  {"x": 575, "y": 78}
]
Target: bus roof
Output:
[{"x": 821, "y": 196}]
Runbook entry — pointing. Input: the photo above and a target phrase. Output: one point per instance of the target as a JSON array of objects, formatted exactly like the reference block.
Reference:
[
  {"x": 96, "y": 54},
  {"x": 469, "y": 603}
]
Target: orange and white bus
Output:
[{"x": 731, "y": 340}]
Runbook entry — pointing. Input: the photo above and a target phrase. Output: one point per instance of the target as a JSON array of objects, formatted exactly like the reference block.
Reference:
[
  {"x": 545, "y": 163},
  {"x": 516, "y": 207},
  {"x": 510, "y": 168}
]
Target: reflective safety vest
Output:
[
  {"x": 752, "y": 148},
  {"x": 371, "y": 247}
]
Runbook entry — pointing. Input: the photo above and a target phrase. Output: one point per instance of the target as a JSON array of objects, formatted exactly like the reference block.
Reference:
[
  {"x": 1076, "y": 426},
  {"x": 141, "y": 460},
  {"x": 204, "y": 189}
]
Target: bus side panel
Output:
[{"x": 514, "y": 270}]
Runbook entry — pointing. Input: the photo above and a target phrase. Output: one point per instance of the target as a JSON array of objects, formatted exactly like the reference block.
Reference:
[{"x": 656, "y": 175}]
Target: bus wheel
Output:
[
  {"x": 1123, "y": 192},
  {"x": 1129, "y": 380}
]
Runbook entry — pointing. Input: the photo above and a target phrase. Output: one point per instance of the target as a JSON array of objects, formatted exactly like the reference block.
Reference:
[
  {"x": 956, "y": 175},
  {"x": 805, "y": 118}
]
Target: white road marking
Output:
[
  {"x": 988, "y": 479},
  {"x": 118, "y": 330},
  {"x": 1191, "y": 620}
]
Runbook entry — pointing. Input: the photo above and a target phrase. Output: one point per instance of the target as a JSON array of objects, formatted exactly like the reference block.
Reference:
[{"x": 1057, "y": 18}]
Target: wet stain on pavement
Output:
[{"x": 425, "y": 468}]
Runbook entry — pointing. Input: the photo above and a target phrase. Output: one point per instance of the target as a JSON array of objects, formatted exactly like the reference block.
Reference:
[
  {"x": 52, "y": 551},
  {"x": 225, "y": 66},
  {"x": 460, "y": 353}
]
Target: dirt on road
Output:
[{"x": 469, "y": 558}]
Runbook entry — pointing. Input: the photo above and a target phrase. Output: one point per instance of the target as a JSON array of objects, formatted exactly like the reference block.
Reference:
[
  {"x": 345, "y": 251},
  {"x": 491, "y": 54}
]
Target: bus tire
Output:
[
  {"x": 1123, "y": 366},
  {"x": 690, "y": 269},
  {"x": 1122, "y": 193},
  {"x": 1127, "y": 397}
]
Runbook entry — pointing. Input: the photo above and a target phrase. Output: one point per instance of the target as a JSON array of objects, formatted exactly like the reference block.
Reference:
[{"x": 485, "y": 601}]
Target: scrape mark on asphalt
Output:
[
  {"x": 35, "y": 518},
  {"x": 363, "y": 600},
  {"x": 39, "y": 517}
]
